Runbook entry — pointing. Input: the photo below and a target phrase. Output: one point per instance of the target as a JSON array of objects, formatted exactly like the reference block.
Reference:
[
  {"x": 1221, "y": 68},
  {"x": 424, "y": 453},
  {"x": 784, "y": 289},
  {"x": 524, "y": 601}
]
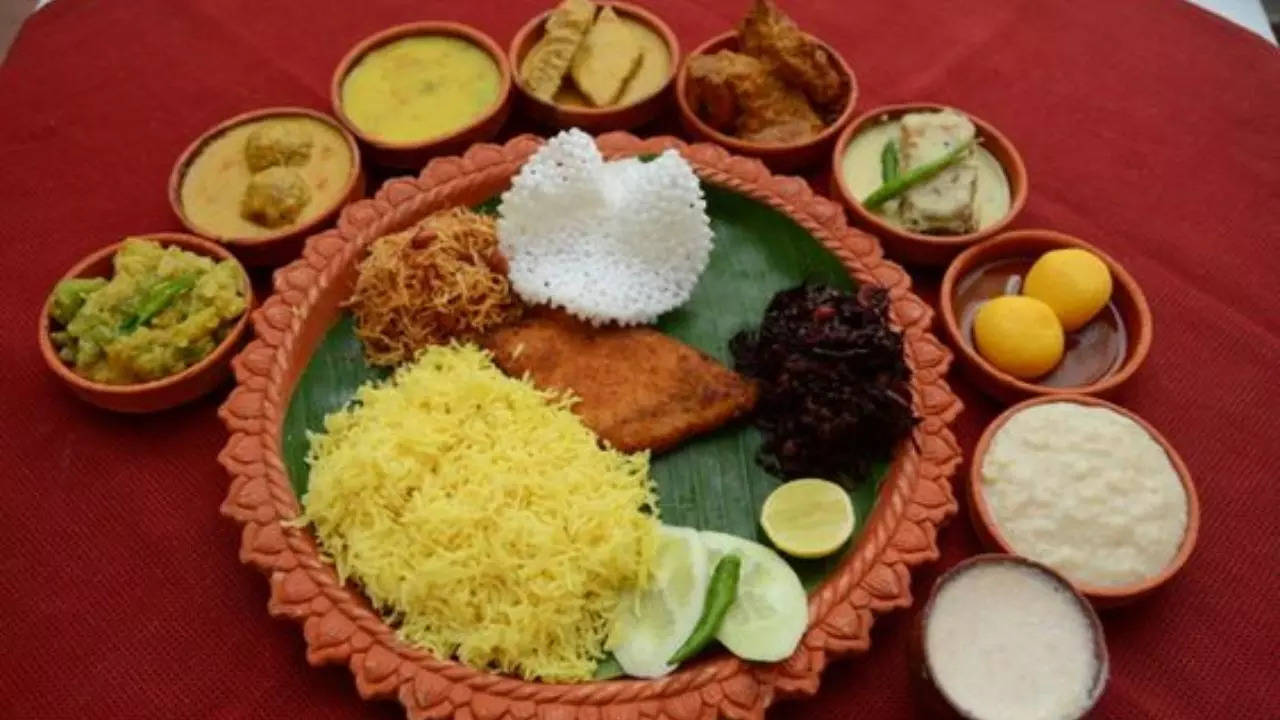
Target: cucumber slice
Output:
[
  {"x": 651, "y": 624},
  {"x": 771, "y": 612}
]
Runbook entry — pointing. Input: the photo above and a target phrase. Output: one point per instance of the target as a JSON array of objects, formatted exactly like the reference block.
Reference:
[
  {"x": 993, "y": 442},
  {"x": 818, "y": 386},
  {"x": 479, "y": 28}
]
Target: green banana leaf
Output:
[{"x": 712, "y": 482}]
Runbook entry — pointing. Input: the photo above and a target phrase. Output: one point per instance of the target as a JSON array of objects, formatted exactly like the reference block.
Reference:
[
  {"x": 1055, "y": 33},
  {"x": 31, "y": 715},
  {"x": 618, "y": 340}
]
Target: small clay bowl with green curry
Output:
[
  {"x": 415, "y": 91},
  {"x": 263, "y": 181},
  {"x": 637, "y": 100},
  {"x": 148, "y": 323}
]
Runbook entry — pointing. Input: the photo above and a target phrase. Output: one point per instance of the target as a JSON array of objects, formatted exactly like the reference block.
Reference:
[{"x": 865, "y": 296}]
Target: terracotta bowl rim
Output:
[
  {"x": 191, "y": 243},
  {"x": 1007, "y": 558},
  {"x": 739, "y": 145},
  {"x": 421, "y": 27},
  {"x": 179, "y": 173},
  {"x": 1108, "y": 595},
  {"x": 655, "y": 23},
  {"x": 1140, "y": 336},
  {"x": 1016, "y": 169}
]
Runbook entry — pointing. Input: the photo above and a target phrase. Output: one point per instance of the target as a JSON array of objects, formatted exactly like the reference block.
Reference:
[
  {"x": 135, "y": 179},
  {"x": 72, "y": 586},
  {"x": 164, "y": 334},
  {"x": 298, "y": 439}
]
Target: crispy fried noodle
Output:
[{"x": 439, "y": 280}]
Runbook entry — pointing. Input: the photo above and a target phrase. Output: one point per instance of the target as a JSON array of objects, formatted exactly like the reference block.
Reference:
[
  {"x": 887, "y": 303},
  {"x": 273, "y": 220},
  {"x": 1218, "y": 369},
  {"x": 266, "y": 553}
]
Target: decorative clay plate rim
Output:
[{"x": 338, "y": 623}]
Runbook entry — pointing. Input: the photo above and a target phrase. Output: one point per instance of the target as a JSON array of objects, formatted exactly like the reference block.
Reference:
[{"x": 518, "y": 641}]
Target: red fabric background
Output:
[{"x": 1148, "y": 127}]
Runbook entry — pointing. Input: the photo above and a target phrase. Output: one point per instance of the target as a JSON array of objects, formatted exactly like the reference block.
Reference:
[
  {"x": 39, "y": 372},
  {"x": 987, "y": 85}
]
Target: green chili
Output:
[
  {"x": 721, "y": 592},
  {"x": 158, "y": 297},
  {"x": 914, "y": 176},
  {"x": 889, "y": 162}
]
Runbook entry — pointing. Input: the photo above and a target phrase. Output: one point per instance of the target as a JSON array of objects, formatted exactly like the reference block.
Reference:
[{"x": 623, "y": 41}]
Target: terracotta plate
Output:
[{"x": 338, "y": 623}]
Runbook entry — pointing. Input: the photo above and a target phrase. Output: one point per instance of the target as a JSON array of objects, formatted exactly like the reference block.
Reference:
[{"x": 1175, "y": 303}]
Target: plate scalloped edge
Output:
[{"x": 340, "y": 627}]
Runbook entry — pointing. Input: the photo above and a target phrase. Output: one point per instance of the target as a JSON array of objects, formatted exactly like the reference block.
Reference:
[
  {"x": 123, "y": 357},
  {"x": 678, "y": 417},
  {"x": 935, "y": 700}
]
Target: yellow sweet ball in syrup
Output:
[
  {"x": 1019, "y": 335},
  {"x": 1074, "y": 282}
]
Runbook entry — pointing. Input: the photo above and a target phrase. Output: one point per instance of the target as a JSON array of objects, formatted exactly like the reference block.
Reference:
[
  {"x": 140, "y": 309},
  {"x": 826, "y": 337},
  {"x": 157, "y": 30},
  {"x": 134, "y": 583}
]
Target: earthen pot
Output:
[
  {"x": 593, "y": 119},
  {"x": 922, "y": 248},
  {"x": 166, "y": 392},
  {"x": 414, "y": 154},
  {"x": 1126, "y": 295},
  {"x": 778, "y": 157},
  {"x": 988, "y": 531},
  {"x": 284, "y": 244},
  {"x": 931, "y": 700}
]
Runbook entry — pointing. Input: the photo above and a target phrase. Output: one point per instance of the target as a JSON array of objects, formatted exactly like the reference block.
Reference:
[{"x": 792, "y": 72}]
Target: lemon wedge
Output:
[
  {"x": 808, "y": 518},
  {"x": 651, "y": 624}
]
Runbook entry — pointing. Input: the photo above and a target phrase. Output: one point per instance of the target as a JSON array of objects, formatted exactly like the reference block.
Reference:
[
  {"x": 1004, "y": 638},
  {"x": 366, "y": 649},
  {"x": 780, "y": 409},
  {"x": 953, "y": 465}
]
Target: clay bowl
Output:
[
  {"x": 920, "y": 248},
  {"x": 989, "y": 532},
  {"x": 931, "y": 697},
  {"x": 591, "y": 119},
  {"x": 1126, "y": 296},
  {"x": 284, "y": 244},
  {"x": 415, "y": 153},
  {"x": 779, "y": 158},
  {"x": 166, "y": 392}
]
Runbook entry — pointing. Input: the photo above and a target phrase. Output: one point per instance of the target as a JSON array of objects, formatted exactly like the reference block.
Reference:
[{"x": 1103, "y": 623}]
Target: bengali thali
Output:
[{"x": 293, "y": 371}]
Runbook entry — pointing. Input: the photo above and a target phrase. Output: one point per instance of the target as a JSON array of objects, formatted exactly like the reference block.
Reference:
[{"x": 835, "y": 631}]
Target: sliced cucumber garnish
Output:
[
  {"x": 653, "y": 623},
  {"x": 769, "y": 616}
]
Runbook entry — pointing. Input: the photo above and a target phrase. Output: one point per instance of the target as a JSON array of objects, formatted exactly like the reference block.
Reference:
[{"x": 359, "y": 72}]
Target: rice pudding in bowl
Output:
[{"x": 1088, "y": 489}]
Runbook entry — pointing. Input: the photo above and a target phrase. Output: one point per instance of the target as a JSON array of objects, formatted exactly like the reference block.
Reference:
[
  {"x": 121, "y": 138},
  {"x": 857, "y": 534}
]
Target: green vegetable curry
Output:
[{"x": 162, "y": 311}]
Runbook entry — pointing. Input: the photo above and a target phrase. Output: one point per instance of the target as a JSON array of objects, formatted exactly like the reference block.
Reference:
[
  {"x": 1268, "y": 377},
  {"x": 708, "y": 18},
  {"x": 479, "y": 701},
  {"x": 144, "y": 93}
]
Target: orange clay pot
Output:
[
  {"x": 1132, "y": 305},
  {"x": 984, "y": 522},
  {"x": 284, "y": 244},
  {"x": 415, "y": 153},
  {"x": 592, "y": 119},
  {"x": 929, "y": 696},
  {"x": 166, "y": 392},
  {"x": 922, "y": 248},
  {"x": 780, "y": 158},
  {"x": 338, "y": 623}
]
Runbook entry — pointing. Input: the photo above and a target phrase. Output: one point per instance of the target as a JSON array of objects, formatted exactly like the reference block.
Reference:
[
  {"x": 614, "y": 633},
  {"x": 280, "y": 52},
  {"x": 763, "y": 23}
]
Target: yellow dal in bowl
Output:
[
  {"x": 213, "y": 185},
  {"x": 420, "y": 87}
]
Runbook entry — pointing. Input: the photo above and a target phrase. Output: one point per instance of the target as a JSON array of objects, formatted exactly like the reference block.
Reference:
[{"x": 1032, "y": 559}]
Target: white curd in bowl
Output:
[
  {"x": 1009, "y": 641},
  {"x": 1086, "y": 491}
]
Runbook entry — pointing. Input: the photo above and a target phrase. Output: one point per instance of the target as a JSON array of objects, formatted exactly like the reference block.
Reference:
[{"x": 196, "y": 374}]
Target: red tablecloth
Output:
[{"x": 1149, "y": 128}]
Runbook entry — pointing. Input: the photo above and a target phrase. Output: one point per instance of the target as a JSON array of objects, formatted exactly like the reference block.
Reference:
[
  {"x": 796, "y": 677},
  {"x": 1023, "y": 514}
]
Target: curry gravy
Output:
[{"x": 214, "y": 183}]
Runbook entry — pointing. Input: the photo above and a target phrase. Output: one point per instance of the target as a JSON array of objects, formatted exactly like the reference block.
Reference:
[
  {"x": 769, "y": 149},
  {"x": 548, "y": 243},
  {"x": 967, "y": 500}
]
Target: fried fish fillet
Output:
[
  {"x": 736, "y": 93},
  {"x": 768, "y": 34},
  {"x": 639, "y": 389}
]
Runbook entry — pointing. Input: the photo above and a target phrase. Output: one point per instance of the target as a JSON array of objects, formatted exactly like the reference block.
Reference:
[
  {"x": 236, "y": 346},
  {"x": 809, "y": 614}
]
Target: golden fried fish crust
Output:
[
  {"x": 768, "y": 34},
  {"x": 737, "y": 94},
  {"x": 638, "y": 388}
]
